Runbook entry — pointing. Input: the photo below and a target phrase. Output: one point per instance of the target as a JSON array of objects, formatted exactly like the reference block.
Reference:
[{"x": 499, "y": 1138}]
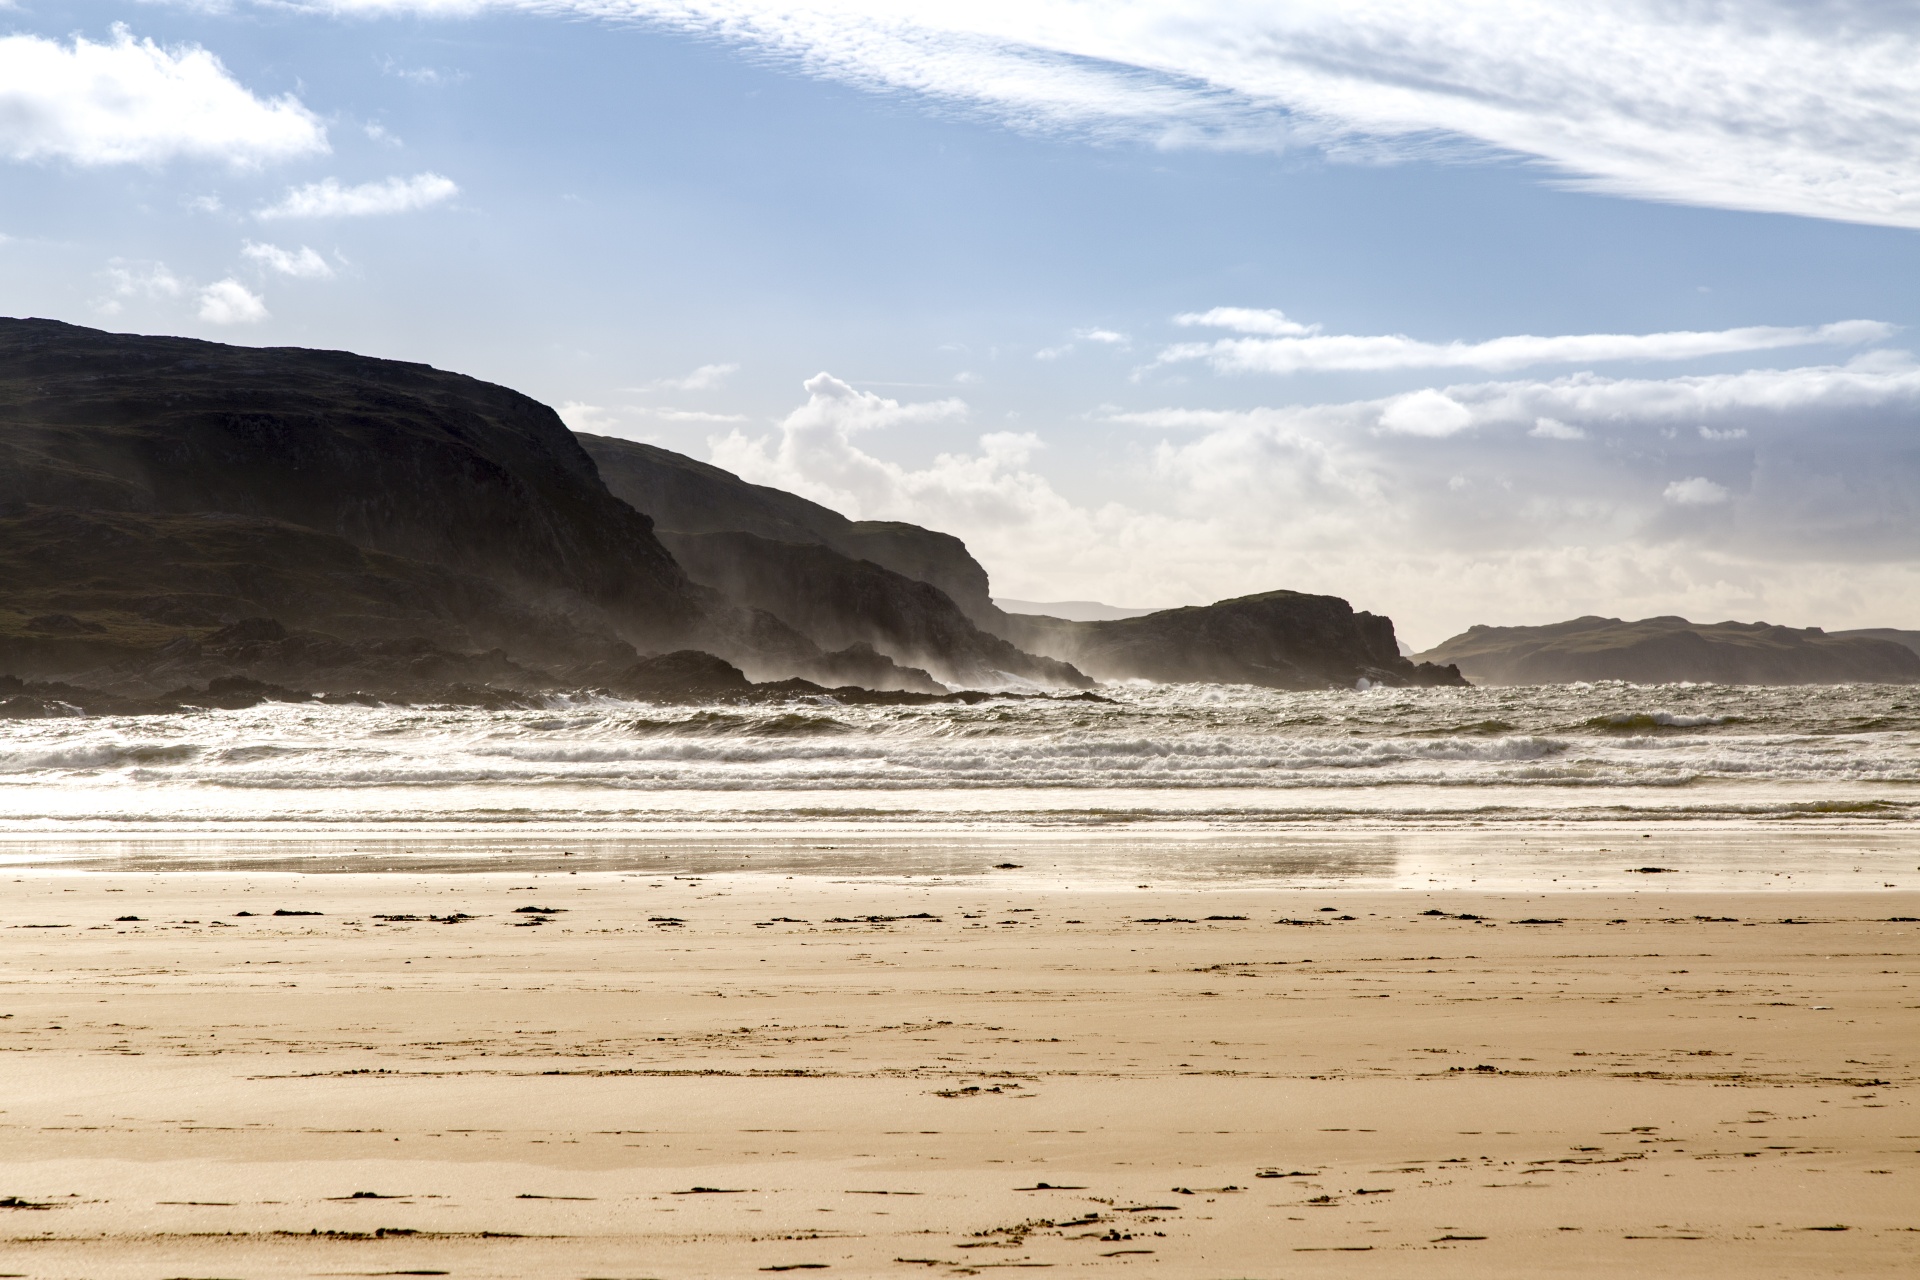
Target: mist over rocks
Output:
[
  {"x": 1668, "y": 650},
  {"x": 840, "y": 600},
  {"x": 687, "y": 496}
]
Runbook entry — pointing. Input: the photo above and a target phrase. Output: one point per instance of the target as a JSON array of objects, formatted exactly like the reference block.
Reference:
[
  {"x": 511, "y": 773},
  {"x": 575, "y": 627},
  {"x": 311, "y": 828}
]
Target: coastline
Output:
[{"x": 198, "y": 1091}]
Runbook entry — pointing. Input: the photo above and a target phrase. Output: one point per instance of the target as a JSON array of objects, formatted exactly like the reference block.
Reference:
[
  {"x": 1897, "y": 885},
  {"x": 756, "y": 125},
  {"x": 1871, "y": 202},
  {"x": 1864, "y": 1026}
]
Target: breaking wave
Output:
[{"x": 1172, "y": 738}]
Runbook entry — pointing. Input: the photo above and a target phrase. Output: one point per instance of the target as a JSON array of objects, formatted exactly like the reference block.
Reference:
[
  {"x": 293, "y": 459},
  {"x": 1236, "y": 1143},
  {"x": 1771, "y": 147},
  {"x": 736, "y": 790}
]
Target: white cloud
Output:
[
  {"x": 131, "y": 101},
  {"x": 1312, "y": 351},
  {"x": 303, "y": 264},
  {"x": 1247, "y": 320},
  {"x": 1103, "y": 337},
  {"x": 1771, "y": 105},
  {"x": 328, "y": 199},
  {"x": 708, "y": 377},
  {"x": 1697, "y": 491},
  {"x": 1730, "y": 433},
  {"x": 600, "y": 420},
  {"x": 230, "y": 302},
  {"x": 1553, "y": 429},
  {"x": 591, "y": 418}
]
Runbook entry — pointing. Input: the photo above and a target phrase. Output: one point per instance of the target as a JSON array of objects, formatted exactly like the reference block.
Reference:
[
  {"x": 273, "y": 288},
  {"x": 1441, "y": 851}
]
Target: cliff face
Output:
[
  {"x": 1279, "y": 640},
  {"x": 80, "y": 589},
  {"x": 842, "y": 601},
  {"x": 1668, "y": 649},
  {"x": 686, "y": 496},
  {"x": 472, "y": 480}
]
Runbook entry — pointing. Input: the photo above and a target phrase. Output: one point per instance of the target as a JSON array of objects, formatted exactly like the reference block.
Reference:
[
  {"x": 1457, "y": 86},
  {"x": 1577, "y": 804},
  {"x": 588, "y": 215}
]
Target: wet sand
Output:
[{"x": 730, "y": 1075}]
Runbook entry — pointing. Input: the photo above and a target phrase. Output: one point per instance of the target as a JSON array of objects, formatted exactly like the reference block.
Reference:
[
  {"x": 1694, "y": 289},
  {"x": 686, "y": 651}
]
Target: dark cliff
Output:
[
  {"x": 1669, "y": 649},
  {"x": 1278, "y": 639},
  {"x": 686, "y": 496}
]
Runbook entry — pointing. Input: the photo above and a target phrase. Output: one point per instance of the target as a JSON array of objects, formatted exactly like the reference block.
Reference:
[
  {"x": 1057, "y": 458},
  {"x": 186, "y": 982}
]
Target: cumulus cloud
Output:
[
  {"x": 128, "y": 101},
  {"x": 1457, "y": 515},
  {"x": 302, "y": 264},
  {"x": 328, "y": 199},
  {"x": 230, "y": 302},
  {"x": 1304, "y": 349},
  {"x": 1772, "y": 105},
  {"x": 1425, "y": 413}
]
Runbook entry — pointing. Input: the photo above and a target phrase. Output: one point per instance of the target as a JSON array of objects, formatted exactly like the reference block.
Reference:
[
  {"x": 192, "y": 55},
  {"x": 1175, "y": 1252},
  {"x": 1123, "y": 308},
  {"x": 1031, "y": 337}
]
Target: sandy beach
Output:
[{"x": 601, "y": 1075}]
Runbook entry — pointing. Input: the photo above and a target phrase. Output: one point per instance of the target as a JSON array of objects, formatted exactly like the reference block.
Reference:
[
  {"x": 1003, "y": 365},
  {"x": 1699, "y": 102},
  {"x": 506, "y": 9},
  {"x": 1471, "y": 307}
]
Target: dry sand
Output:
[{"x": 731, "y": 1076}]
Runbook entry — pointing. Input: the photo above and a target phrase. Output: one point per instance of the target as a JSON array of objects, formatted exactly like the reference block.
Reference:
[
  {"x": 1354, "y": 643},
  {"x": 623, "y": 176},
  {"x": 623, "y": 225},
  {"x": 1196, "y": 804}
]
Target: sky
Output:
[{"x": 1467, "y": 311}]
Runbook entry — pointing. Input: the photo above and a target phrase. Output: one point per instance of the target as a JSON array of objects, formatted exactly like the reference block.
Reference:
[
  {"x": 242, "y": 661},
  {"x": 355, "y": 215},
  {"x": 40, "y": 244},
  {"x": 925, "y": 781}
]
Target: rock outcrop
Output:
[
  {"x": 1668, "y": 649},
  {"x": 1278, "y": 640}
]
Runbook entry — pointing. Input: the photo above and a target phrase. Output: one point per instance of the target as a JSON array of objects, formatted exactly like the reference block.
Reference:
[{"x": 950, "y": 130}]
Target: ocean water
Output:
[{"x": 1194, "y": 776}]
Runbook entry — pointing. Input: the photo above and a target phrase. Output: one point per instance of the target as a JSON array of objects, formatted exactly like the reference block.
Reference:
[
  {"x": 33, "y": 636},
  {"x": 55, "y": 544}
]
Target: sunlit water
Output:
[{"x": 1198, "y": 777}]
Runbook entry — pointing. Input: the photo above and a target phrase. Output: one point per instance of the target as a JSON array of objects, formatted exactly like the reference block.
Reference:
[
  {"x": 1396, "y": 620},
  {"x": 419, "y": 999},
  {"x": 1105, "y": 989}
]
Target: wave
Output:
[
  {"x": 1177, "y": 738},
  {"x": 1635, "y": 721}
]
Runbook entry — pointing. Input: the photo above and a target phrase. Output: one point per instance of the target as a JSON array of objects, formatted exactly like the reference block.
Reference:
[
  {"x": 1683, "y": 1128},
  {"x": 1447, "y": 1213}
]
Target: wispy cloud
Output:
[
  {"x": 1771, "y": 105},
  {"x": 694, "y": 415},
  {"x": 302, "y": 263},
  {"x": 708, "y": 377},
  {"x": 129, "y": 101},
  {"x": 328, "y": 199},
  {"x": 1099, "y": 337},
  {"x": 1304, "y": 349}
]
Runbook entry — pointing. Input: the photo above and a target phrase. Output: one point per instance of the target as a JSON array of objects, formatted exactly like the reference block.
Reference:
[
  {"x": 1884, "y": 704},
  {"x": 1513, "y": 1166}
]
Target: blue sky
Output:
[{"x": 1468, "y": 312}]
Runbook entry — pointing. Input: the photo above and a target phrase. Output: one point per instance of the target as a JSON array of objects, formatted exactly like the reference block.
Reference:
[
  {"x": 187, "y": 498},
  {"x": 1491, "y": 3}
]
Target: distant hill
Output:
[
  {"x": 1668, "y": 649},
  {"x": 1071, "y": 610},
  {"x": 1911, "y": 639}
]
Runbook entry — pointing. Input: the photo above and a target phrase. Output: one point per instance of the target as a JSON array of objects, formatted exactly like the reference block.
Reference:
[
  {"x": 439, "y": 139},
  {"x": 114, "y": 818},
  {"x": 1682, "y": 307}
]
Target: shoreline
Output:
[{"x": 1827, "y": 855}]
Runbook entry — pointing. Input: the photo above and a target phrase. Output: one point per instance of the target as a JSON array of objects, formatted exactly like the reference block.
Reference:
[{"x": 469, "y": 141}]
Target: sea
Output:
[{"x": 1583, "y": 786}]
